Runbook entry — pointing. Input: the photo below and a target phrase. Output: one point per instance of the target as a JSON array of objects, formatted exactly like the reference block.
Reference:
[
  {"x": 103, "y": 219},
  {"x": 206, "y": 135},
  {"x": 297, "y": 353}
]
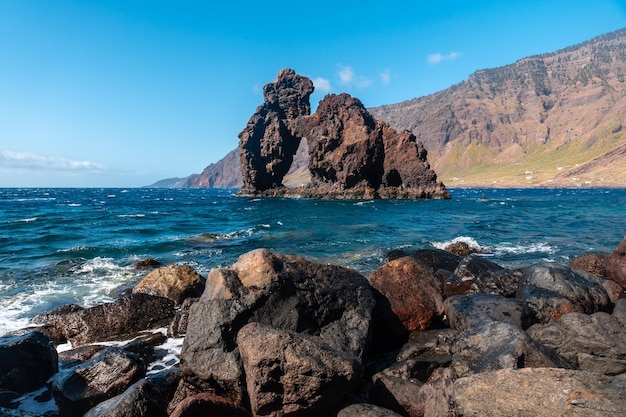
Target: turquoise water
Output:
[{"x": 60, "y": 246}]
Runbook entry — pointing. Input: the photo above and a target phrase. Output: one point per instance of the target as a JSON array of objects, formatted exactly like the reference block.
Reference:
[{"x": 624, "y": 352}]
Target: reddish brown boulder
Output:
[
  {"x": 616, "y": 265},
  {"x": 594, "y": 263},
  {"x": 412, "y": 290}
]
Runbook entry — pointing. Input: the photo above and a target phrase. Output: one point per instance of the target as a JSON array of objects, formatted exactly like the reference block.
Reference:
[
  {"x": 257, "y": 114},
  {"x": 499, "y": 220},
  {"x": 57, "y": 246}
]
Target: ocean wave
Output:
[
  {"x": 470, "y": 241},
  {"x": 138, "y": 215},
  {"x": 26, "y": 220},
  {"x": 513, "y": 249}
]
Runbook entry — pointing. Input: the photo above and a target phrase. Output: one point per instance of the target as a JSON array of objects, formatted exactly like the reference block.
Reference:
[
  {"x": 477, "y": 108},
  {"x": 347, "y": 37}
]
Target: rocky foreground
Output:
[{"x": 428, "y": 333}]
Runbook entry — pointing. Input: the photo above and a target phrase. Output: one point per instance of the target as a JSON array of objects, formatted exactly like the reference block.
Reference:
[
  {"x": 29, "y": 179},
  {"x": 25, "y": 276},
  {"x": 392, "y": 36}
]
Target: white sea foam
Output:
[
  {"x": 74, "y": 205},
  {"x": 27, "y": 220},
  {"x": 508, "y": 248},
  {"x": 132, "y": 215},
  {"x": 471, "y": 242}
]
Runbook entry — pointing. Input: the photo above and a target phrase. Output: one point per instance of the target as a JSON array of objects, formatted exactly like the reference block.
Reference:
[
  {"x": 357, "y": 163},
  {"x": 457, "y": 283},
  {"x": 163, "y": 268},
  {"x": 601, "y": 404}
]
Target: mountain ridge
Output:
[{"x": 553, "y": 119}]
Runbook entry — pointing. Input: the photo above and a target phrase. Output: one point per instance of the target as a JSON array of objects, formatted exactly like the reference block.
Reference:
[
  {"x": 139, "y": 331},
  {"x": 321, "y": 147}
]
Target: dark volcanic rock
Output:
[
  {"x": 285, "y": 292},
  {"x": 208, "y": 404},
  {"x": 366, "y": 410},
  {"x": 551, "y": 290},
  {"x": 465, "y": 311},
  {"x": 594, "y": 263},
  {"x": 595, "y": 343},
  {"x": 268, "y": 142},
  {"x": 351, "y": 155},
  {"x": 108, "y": 373},
  {"x": 26, "y": 361},
  {"x": 113, "y": 321},
  {"x": 289, "y": 373},
  {"x": 142, "y": 399}
]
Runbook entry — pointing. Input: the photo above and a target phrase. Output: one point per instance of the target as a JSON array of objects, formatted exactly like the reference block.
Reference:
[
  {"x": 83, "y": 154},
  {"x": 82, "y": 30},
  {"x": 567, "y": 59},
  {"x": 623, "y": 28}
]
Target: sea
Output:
[{"x": 60, "y": 246}]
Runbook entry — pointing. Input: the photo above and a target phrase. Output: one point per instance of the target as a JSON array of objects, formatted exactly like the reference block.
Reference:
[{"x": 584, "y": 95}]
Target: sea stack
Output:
[{"x": 351, "y": 155}]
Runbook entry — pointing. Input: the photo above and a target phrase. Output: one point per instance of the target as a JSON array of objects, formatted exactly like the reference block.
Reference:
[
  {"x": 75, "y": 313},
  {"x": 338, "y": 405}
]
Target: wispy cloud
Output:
[
  {"x": 348, "y": 77},
  {"x": 439, "y": 57},
  {"x": 322, "y": 84},
  {"x": 37, "y": 162},
  {"x": 385, "y": 76}
]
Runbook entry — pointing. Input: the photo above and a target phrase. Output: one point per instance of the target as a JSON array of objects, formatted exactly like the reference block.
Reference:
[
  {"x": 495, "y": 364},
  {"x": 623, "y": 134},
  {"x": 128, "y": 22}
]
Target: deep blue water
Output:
[{"x": 60, "y": 246}]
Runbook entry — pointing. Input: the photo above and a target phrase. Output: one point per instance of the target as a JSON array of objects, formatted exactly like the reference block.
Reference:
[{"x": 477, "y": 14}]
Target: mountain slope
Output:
[{"x": 538, "y": 121}]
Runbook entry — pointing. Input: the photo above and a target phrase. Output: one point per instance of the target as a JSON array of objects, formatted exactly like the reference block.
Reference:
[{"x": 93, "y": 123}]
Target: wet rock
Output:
[
  {"x": 551, "y": 290},
  {"x": 208, "y": 404},
  {"x": 465, "y": 311},
  {"x": 412, "y": 290},
  {"x": 460, "y": 249},
  {"x": 285, "y": 292},
  {"x": 108, "y": 373},
  {"x": 146, "y": 264},
  {"x": 116, "y": 320},
  {"x": 289, "y": 373},
  {"x": 142, "y": 399},
  {"x": 366, "y": 410},
  {"x": 495, "y": 345},
  {"x": 178, "y": 325},
  {"x": 429, "y": 345},
  {"x": 480, "y": 274},
  {"x": 595, "y": 343},
  {"x": 540, "y": 392},
  {"x": 176, "y": 282},
  {"x": 616, "y": 265},
  {"x": 437, "y": 259},
  {"x": 26, "y": 361}
]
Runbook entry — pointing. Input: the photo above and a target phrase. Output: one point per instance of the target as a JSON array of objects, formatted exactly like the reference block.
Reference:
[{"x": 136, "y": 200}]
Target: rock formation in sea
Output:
[{"x": 351, "y": 155}]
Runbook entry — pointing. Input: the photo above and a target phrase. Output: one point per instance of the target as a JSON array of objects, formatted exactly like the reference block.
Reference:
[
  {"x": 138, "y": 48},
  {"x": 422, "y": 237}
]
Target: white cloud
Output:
[
  {"x": 385, "y": 76},
  {"x": 38, "y": 162},
  {"x": 438, "y": 57},
  {"x": 349, "y": 78},
  {"x": 322, "y": 84}
]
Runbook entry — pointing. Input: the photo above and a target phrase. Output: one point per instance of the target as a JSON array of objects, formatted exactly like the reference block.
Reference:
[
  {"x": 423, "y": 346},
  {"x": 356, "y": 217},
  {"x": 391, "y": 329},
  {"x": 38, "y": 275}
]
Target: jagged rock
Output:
[
  {"x": 494, "y": 345},
  {"x": 178, "y": 326},
  {"x": 476, "y": 274},
  {"x": 351, "y": 155},
  {"x": 551, "y": 290},
  {"x": 412, "y": 290},
  {"x": 115, "y": 320},
  {"x": 465, "y": 311},
  {"x": 208, "y": 404},
  {"x": 616, "y": 265},
  {"x": 148, "y": 263},
  {"x": 595, "y": 343},
  {"x": 108, "y": 373},
  {"x": 268, "y": 143},
  {"x": 289, "y": 373},
  {"x": 540, "y": 392},
  {"x": 176, "y": 282},
  {"x": 437, "y": 395},
  {"x": 142, "y": 399},
  {"x": 429, "y": 345},
  {"x": 285, "y": 292},
  {"x": 460, "y": 249},
  {"x": 437, "y": 259},
  {"x": 366, "y": 410},
  {"x": 26, "y": 361}
]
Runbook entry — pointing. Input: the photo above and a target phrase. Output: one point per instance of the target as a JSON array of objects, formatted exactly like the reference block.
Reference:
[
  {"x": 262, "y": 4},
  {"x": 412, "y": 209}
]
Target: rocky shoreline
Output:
[{"x": 427, "y": 333}]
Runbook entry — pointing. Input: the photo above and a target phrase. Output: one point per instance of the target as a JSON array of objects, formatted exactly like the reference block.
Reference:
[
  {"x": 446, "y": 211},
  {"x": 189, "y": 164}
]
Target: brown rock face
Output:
[
  {"x": 351, "y": 155},
  {"x": 267, "y": 143},
  {"x": 616, "y": 265}
]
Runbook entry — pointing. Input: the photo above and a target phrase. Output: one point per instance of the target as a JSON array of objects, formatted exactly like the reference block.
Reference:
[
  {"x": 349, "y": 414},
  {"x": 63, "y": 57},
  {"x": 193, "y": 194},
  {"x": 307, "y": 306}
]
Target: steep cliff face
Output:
[
  {"x": 350, "y": 154},
  {"x": 535, "y": 122},
  {"x": 268, "y": 142}
]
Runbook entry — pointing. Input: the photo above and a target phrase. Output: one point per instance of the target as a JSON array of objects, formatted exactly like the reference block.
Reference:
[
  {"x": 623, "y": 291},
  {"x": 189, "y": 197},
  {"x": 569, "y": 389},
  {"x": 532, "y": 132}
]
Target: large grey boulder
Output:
[
  {"x": 289, "y": 373},
  {"x": 285, "y": 292},
  {"x": 595, "y": 343},
  {"x": 551, "y": 290},
  {"x": 465, "y": 311}
]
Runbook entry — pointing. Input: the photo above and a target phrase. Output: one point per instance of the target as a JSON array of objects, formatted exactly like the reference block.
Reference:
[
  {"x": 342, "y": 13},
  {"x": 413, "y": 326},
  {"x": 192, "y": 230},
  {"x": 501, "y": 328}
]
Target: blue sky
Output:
[{"x": 125, "y": 93}]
